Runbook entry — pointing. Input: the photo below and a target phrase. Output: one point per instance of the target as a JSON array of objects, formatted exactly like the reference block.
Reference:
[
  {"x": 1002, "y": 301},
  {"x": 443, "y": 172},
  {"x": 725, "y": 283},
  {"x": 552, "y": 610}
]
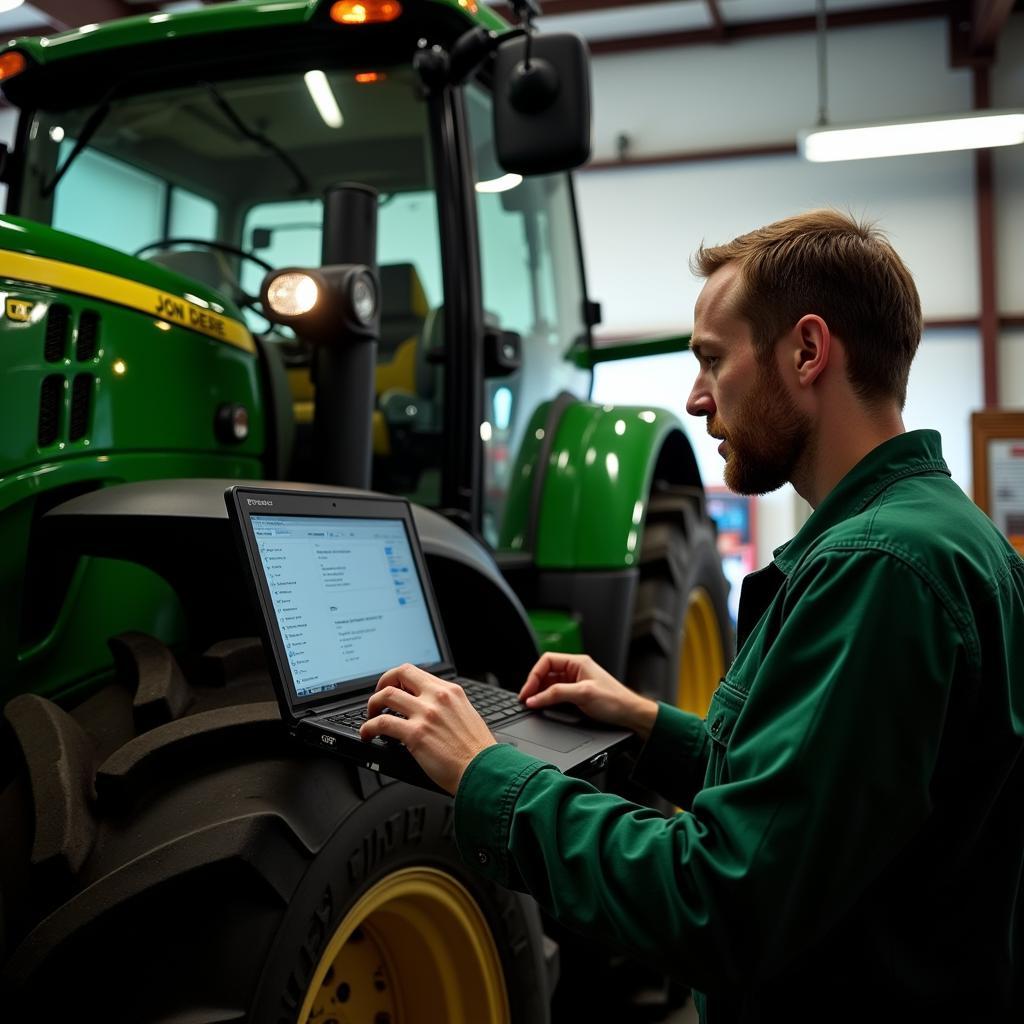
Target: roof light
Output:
[
  {"x": 11, "y": 64},
  {"x": 365, "y": 12},
  {"x": 925, "y": 135},
  {"x": 365, "y": 77},
  {"x": 9, "y": 5},
  {"x": 324, "y": 98}
]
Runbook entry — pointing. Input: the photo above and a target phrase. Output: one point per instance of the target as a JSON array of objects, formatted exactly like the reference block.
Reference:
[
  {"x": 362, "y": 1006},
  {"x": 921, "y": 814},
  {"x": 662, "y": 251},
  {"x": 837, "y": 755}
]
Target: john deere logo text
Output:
[
  {"x": 189, "y": 315},
  {"x": 19, "y": 310}
]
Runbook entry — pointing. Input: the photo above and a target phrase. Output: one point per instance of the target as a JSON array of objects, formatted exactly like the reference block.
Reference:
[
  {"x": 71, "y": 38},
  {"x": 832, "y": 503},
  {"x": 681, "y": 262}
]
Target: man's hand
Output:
[
  {"x": 578, "y": 679},
  {"x": 441, "y": 729}
]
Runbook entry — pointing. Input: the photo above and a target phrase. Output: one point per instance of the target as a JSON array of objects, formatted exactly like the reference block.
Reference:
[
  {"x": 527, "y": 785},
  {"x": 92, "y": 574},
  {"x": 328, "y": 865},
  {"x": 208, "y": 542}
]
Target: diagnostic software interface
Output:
[{"x": 346, "y": 595}]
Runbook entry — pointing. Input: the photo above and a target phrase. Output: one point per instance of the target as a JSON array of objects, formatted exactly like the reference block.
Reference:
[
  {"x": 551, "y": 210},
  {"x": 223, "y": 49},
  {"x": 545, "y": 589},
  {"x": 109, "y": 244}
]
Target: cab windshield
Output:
[{"x": 243, "y": 163}]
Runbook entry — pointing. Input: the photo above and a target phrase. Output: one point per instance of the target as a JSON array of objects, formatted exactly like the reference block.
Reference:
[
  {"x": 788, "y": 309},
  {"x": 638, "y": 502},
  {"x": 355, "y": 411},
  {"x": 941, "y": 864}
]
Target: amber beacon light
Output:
[
  {"x": 11, "y": 64},
  {"x": 365, "y": 12}
]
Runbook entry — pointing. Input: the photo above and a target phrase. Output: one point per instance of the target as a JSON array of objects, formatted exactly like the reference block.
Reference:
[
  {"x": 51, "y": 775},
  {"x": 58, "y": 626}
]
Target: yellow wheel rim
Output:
[
  {"x": 702, "y": 662},
  {"x": 414, "y": 949}
]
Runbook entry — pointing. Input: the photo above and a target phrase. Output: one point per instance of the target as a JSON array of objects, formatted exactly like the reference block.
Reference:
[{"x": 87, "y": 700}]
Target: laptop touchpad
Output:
[{"x": 546, "y": 734}]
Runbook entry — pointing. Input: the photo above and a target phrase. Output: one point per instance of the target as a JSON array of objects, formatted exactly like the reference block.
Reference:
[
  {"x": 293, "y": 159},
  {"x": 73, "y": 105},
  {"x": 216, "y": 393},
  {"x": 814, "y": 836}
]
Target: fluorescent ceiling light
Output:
[
  {"x": 9, "y": 5},
  {"x": 320, "y": 89},
  {"x": 903, "y": 138},
  {"x": 502, "y": 184}
]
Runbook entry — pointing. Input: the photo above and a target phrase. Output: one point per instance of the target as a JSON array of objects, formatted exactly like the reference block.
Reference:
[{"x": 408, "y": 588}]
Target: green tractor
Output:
[{"x": 168, "y": 854}]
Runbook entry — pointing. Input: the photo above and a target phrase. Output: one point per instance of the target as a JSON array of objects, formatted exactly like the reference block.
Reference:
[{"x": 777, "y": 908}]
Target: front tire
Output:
[{"x": 179, "y": 858}]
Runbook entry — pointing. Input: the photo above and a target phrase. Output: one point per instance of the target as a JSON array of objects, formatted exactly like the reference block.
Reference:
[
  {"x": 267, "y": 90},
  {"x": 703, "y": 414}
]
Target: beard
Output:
[{"x": 769, "y": 439}]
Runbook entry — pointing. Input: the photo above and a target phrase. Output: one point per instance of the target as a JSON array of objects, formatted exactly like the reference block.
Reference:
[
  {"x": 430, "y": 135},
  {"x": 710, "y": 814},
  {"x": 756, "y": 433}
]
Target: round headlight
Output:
[
  {"x": 364, "y": 298},
  {"x": 292, "y": 294}
]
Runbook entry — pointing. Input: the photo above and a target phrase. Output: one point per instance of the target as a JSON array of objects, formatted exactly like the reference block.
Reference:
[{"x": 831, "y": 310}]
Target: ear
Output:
[{"x": 811, "y": 348}]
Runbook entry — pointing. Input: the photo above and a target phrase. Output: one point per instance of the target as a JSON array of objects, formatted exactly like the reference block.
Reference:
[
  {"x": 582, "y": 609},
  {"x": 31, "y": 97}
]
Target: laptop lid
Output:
[{"x": 342, "y": 589}]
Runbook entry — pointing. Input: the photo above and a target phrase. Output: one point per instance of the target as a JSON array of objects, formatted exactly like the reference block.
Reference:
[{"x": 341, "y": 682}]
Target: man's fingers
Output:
[
  {"x": 386, "y": 725},
  {"x": 557, "y": 693},
  {"x": 552, "y": 667},
  {"x": 536, "y": 677},
  {"x": 405, "y": 677},
  {"x": 390, "y": 697}
]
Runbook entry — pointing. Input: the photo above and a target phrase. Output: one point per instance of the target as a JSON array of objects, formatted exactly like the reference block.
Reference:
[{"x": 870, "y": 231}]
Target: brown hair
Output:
[{"x": 824, "y": 262}]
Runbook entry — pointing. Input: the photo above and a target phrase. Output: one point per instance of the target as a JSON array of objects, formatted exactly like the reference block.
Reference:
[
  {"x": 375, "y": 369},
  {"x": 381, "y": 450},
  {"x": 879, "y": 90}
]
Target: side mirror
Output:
[{"x": 542, "y": 103}]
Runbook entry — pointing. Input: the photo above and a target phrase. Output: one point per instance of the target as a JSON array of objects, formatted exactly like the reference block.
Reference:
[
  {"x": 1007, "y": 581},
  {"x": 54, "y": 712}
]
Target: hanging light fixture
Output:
[{"x": 938, "y": 134}]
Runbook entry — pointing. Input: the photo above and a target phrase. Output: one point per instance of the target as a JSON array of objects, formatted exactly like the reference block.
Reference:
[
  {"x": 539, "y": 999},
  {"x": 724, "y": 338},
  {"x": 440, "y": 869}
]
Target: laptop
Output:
[{"x": 343, "y": 594}]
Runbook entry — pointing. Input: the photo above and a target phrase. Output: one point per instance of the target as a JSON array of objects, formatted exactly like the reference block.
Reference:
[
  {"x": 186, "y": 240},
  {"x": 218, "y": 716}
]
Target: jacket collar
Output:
[{"x": 909, "y": 454}]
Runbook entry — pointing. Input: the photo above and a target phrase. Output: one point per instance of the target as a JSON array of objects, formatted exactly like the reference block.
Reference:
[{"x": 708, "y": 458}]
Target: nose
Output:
[{"x": 700, "y": 402}]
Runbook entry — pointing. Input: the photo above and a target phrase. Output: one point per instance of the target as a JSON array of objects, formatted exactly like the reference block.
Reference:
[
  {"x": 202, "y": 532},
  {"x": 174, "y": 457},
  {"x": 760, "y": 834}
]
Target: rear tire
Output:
[
  {"x": 682, "y": 635},
  {"x": 199, "y": 867}
]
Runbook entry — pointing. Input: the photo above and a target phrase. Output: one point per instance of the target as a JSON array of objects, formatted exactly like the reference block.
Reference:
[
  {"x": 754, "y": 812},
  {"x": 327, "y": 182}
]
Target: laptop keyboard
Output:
[{"x": 493, "y": 704}]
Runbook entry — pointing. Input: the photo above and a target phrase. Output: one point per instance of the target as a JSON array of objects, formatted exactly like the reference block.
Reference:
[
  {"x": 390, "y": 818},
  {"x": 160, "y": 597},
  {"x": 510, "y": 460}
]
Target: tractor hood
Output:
[{"x": 38, "y": 255}]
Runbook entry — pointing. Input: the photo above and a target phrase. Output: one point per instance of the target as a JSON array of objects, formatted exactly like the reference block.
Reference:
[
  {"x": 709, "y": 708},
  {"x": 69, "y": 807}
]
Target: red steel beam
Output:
[
  {"x": 37, "y": 28},
  {"x": 987, "y": 20},
  {"x": 72, "y": 13},
  {"x": 988, "y": 318},
  {"x": 550, "y": 7},
  {"x": 694, "y": 156},
  {"x": 717, "y": 22}
]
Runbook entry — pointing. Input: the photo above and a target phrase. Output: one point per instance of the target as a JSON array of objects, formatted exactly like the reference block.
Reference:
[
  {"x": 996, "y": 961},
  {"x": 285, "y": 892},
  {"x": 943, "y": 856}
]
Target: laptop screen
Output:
[{"x": 348, "y": 599}]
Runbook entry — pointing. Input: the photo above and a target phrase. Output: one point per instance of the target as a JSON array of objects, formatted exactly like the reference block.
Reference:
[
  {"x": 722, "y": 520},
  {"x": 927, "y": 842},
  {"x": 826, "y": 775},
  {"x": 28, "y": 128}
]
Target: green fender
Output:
[{"x": 597, "y": 480}]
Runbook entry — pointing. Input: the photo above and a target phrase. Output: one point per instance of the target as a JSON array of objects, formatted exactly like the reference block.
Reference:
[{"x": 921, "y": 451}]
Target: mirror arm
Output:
[{"x": 437, "y": 68}]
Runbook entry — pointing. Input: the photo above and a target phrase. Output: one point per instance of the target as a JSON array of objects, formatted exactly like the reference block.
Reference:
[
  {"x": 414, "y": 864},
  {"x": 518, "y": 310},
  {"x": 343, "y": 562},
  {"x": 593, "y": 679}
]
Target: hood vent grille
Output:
[
  {"x": 88, "y": 336},
  {"x": 51, "y": 404},
  {"x": 58, "y": 320}
]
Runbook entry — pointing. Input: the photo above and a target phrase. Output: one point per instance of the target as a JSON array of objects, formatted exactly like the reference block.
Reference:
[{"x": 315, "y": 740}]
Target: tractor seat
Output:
[{"x": 404, "y": 306}]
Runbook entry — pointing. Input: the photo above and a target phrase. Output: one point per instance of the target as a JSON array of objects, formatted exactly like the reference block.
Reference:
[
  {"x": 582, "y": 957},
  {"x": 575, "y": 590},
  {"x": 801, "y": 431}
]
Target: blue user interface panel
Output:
[{"x": 347, "y": 597}]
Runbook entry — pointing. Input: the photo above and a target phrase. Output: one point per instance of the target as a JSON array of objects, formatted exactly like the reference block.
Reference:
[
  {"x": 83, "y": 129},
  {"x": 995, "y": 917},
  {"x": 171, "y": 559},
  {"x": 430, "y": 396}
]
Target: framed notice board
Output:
[{"x": 997, "y": 446}]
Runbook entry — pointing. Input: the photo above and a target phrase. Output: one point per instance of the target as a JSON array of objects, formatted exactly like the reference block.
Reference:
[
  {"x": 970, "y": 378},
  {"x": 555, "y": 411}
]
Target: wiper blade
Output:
[
  {"x": 302, "y": 184},
  {"x": 96, "y": 118}
]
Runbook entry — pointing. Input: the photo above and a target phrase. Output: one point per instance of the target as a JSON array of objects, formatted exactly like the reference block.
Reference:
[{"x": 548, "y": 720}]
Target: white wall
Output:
[
  {"x": 765, "y": 90},
  {"x": 640, "y": 225}
]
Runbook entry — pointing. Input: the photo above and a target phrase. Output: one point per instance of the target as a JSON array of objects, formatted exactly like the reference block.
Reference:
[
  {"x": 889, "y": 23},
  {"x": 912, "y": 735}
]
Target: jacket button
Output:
[{"x": 481, "y": 855}]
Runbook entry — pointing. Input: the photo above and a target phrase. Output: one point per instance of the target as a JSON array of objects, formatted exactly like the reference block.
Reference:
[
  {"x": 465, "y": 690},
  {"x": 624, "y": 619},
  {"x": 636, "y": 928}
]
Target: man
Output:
[{"x": 855, "y": 836}]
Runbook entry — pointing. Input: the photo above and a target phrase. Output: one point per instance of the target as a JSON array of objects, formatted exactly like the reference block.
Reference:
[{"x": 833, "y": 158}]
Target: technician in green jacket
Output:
[{"x": 854, "y": 842}]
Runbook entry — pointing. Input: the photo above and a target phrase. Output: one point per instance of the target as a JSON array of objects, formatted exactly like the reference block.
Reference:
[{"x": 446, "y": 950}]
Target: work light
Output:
[{"x": 324, "y": 304}]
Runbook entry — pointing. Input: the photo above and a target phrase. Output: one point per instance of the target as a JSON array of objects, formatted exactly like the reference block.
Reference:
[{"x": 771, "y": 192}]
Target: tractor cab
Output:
[{"x": 217, "y": 174}]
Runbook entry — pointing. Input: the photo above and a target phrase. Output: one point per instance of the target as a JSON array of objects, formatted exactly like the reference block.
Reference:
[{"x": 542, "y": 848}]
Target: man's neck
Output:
[{"x": 839, "y": 443}]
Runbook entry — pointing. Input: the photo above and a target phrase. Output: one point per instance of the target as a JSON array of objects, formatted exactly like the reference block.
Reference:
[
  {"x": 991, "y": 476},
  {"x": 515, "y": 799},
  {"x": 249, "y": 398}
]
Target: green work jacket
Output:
[{"x": 853, "y": 839}]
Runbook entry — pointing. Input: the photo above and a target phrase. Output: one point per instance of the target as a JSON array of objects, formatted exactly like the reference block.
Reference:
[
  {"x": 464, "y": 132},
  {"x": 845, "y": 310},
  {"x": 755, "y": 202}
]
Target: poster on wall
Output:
[
  {"x": 735, "y": 515},
  {"x": 998, "y": 447},
  {"x": 1006, "y": 488}
]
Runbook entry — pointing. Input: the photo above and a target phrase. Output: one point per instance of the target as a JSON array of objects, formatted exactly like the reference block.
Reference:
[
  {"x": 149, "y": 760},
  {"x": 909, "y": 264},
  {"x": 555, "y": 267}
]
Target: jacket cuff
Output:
[
  {"x": 676, "y": 739},
  {"x": 484, "y": 804}
]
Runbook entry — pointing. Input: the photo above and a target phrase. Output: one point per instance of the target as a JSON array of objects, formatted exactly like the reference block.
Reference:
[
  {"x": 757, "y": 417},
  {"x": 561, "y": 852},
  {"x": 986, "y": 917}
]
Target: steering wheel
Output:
[{"x": 243, "y": 298}]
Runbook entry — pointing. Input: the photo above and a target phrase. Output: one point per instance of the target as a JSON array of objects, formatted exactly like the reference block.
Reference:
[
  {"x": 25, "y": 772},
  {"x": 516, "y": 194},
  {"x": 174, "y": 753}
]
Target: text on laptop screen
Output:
[{"x": 347, "y": 597}]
